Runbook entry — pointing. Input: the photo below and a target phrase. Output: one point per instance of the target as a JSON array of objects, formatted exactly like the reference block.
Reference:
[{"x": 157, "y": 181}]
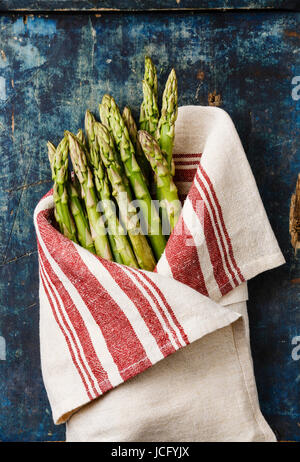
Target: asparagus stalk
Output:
[
  {"x": 77, "y": 207},
  {"x": 51, "y": 154},
  {"x": 104, "y": 116},
  {"x": 133, "y": 133},
  {"x": 120, "y": 245},
  {"x": 166, "y": 188},
  {"x": 150, "y": 77},
  {"x": 166, "y": 125},
  {"x": 143, "y": 119},
  {"x": 85, "y": 178},
  {"x": 59, "y": 166},
  {"x": 112, "y": 116},
  {"x": 80, "y": 135},
  {"x": 128, "y": 212},
  {"x": 150, "y": 108},
  {"x": 82, "y": 225}
]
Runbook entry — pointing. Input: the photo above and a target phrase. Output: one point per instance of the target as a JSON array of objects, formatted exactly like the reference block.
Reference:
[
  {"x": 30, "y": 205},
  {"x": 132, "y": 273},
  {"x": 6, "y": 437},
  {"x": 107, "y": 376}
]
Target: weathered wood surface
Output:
[
  {"x": 295, "y": 218},
  {"x": 142, "y": 5},
  {"x": 51, "y": 68}
]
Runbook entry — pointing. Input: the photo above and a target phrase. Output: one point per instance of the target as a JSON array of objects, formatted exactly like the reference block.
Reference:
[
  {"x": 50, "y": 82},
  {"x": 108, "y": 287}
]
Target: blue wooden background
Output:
[
  {"x": 142, "y": 5},
  {"x": 54, "y": 66}
]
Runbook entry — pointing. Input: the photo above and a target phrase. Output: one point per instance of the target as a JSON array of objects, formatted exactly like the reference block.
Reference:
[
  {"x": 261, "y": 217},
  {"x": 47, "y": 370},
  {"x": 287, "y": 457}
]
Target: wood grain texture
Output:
[
  {"x": 294, "y": 225},
  {"x": 51, "y": 68},
  {"x": 143, "y": 5}
]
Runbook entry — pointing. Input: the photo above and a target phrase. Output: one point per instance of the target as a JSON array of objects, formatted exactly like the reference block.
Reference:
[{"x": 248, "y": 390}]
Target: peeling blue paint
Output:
[
  {"x": 2, "y": 349},
  {"x": 34, "y": 26},
  {"x": 2, "y": 89}
]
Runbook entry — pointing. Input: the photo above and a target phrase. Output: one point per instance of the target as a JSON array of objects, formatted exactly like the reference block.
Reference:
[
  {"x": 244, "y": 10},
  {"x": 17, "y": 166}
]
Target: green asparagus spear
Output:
[
  {"x": 104, "y": 116},
  {"x": 51, "y": 154},
  {"x": 80, "y": 135},
  {"x": 143, "y": 119},
  {"x": 133, "y": 133},
  {"x": 85, "y": 178},
  {"x": 150, "y": 78},
  {"x": 76, "y": 201},
  {"x": 59, "y": 166},
  {"x": 121, "y": 248},
  {"x": 82, "y": 225},
  {"x": 166, "y": 188},
  {"x": 150, "y": 75},
  {"x": 150, "y": 108},
  {"x": 166, "y": 125},
  {"x": 128, "y": 212},
  {"x": 112, "y": 116}
]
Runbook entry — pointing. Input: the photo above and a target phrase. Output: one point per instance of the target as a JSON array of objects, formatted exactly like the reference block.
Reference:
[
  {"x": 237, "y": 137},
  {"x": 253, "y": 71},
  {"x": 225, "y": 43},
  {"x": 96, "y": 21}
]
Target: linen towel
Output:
[{"x": 102, "y": 323}]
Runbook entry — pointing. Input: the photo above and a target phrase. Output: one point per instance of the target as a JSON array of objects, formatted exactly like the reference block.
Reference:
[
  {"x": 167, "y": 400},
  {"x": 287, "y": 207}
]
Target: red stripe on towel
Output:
[
  {"x": 211, "y": 241},
  {"x": 66, "y": 337},
  {"x": 79, "y": 326},
  {"x": 109, "y": 316},
  {"x": 220, "y": 214},
  {"x": 178, "y": 251},
  {"x": 143, "y": 306}
]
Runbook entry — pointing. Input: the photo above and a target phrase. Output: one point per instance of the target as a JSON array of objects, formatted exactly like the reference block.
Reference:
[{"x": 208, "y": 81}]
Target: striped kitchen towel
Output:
[{"x": 102, "y": 323}]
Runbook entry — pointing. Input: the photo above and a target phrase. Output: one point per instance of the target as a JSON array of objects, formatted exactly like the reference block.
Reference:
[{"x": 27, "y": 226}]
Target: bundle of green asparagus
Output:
[{"x": 121, "y": 202}]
